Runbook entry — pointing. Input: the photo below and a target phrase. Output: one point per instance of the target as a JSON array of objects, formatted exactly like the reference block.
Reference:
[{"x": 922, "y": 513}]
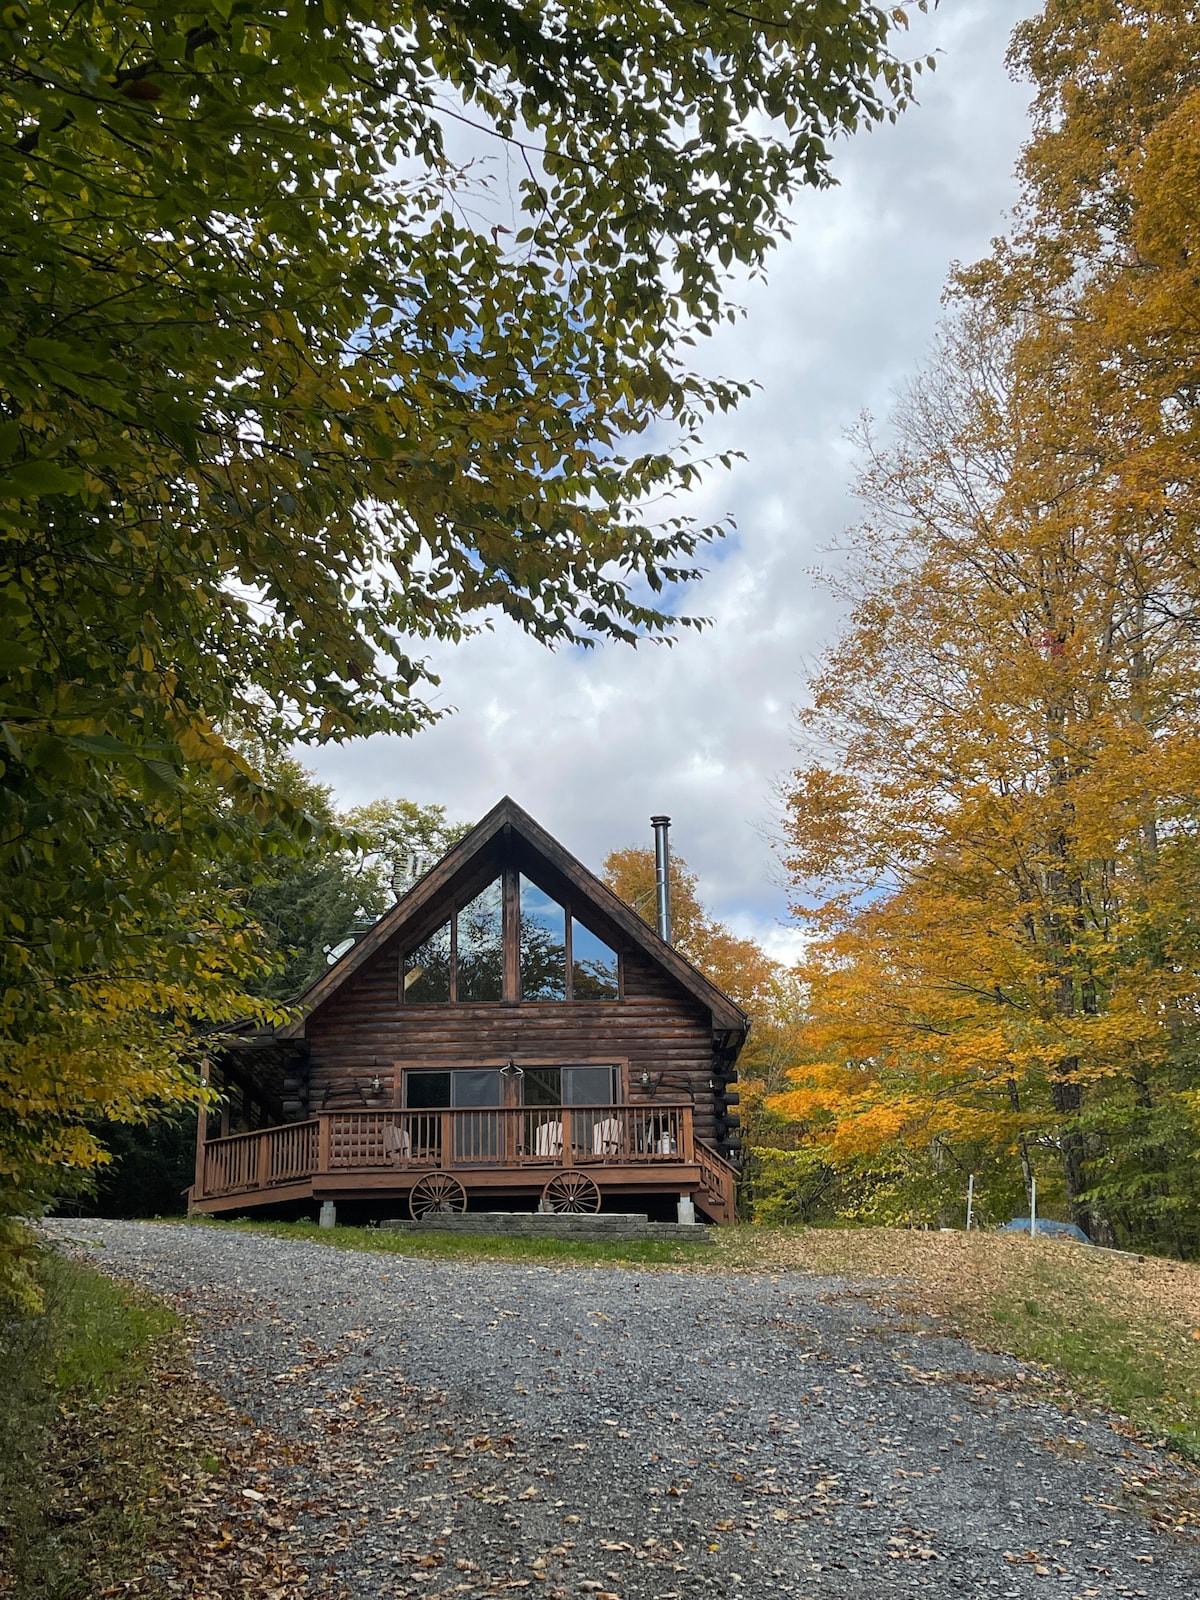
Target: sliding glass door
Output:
[
  {"x": 514, "y": 1114},
  {"x": 551, "y": 1129},
  {"x": 475, "y": 1092}
]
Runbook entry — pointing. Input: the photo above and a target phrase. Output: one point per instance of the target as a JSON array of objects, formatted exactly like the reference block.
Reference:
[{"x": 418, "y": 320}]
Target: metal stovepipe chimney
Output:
[{"x": 662, "y": 875}]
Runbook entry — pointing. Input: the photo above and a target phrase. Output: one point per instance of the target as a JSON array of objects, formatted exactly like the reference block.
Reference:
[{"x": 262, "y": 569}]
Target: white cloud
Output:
[{"x": 594, "y": 742}]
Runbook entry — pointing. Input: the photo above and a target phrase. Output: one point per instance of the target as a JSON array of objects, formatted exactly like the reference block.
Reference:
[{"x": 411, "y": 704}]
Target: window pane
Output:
[
  {"x": 543, "y": 945},
  {"x": 480, "y": 973},
  {"x": 543, "y": 1086},
  {"x": 427, "y": 969},
  {"x": 475, "y": 1086},
  {"x": 426, "y": 1089},
  {"x": 477, "y": 1127},
  {"x": 593, "y": 966},
  {"x": 587, "y": 1086}
]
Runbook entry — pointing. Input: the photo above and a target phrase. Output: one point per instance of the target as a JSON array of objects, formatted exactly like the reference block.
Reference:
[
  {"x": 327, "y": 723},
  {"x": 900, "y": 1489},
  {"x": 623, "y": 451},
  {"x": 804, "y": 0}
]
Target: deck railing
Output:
[
  {"x": 719, "y": 1179},
  {"x": 261, "y": 1160},
  {"x": 454, "y": 1140}
]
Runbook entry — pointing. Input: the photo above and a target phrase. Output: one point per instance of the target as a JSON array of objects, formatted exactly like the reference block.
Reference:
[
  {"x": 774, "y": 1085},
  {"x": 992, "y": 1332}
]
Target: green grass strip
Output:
[
  {"x": 1135, "y": 1361},
  {"x": 476, "y": 1247},
  {"x": 78, "y": 1456}
]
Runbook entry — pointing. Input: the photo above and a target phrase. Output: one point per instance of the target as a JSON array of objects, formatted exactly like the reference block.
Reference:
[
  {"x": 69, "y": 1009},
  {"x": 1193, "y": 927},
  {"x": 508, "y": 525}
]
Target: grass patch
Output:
[
  {"x": 476, "y": 1247},
  {"x": 1134, "y": 1355},
  {"x": 1118, "y": 1329},
  {"x": 78, "y": 1458}
]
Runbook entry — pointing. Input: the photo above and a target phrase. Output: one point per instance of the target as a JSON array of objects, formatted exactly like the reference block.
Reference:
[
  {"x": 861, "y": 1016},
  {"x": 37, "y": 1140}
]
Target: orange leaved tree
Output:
[
  {"x": 766, "y": 989},
  {"x": 1000, "y": 783},
  {"x": 1003, "y": 760}
]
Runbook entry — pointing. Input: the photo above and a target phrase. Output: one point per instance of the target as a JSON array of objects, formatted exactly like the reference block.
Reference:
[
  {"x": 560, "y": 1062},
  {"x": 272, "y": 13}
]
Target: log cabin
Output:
[{"x": 510, "y": 1035}]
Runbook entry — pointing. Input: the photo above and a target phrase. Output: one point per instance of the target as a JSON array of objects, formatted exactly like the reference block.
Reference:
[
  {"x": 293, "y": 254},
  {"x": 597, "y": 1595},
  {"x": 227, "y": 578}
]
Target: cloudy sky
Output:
[{"x": 593, "y": 743}]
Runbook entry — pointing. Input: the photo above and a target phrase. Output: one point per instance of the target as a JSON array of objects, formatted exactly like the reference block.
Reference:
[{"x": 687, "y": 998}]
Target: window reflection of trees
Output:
[
  {"x": 427, "y": 969},
  {"x": 543, "y": 945},
  {"x": 594, "y": 974},
  {"x": 480, "y": 967}
]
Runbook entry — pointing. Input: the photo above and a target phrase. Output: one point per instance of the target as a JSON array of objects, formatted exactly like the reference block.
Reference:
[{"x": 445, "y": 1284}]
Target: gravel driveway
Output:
[{"x": 469, "y": 1429}]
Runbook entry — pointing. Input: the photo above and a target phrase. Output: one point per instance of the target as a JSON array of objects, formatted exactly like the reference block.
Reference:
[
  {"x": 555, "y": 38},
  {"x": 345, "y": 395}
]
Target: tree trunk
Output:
[
  {"x": 1014, "y": 1099},
  {"x": 1068, "y": 1101}
]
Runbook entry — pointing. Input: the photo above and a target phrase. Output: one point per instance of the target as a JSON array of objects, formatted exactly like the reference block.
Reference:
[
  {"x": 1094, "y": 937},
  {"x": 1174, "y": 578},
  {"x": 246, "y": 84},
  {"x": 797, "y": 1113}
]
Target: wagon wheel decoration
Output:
[
  {"x": 571, "y": 1191},
  {"x": 436, "y": 1194}
]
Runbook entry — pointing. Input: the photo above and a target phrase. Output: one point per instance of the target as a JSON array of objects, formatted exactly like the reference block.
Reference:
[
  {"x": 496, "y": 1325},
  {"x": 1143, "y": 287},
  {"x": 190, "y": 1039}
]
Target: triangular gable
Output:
[{"x": 509, "y": 815}]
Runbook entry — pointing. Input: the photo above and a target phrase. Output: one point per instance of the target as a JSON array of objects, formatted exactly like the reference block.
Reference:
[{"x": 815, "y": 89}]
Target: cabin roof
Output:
[{"x": 507, "y": 814}]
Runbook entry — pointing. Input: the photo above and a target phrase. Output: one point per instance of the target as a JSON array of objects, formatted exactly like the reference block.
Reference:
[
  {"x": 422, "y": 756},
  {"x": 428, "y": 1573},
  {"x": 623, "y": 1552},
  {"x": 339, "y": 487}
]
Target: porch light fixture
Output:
[
  {"x": 648, "y": 1082},
  {"x": 376, "y": 1084}
]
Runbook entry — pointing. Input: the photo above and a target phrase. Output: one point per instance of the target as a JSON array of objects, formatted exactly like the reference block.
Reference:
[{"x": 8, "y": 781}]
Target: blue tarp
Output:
[{"x": 1046, "y": 1225}]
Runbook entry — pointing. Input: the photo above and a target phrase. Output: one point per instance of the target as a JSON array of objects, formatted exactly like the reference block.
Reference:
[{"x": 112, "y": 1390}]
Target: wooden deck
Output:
[{"x": 493, "y": 1152}]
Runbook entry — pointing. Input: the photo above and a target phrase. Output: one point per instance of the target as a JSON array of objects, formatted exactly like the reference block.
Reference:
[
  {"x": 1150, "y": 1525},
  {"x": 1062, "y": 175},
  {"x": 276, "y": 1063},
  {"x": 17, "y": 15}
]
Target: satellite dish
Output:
[{"x": 337, "y": 951}]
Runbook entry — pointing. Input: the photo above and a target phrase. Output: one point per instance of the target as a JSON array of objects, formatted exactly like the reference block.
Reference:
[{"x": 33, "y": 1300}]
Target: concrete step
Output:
[{"x": 617, "y": 1227}]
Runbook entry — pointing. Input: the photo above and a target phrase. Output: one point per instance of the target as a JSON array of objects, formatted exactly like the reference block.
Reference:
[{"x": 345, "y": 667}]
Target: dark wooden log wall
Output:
[
  {"x": 363, "y": 1030},
  {"x": 262, "y": 1083}
]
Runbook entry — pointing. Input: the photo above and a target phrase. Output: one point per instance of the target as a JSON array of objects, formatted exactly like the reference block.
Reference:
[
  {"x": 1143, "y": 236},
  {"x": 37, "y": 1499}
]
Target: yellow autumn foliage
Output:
[{"x": 995, "y": 825}]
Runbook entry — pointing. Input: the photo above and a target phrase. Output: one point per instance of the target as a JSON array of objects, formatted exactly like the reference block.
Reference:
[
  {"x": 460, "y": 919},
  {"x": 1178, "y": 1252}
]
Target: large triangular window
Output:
[{"x": 556, "y": 957}]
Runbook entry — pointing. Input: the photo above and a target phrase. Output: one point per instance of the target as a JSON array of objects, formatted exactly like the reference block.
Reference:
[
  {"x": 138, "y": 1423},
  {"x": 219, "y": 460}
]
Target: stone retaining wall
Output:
[{"x": 613, "y": 1226}]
